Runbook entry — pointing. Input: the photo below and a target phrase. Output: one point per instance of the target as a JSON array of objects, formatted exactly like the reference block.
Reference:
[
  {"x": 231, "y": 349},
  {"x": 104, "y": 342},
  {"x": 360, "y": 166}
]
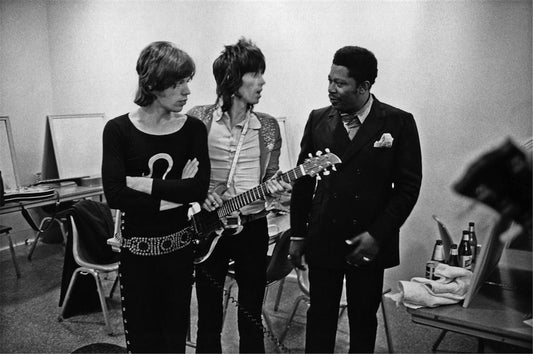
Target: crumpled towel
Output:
[{"x": 450, "y": 288}]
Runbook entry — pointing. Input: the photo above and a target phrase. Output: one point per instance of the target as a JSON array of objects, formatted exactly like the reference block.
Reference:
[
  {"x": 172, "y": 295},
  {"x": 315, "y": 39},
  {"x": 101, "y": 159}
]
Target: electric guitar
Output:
[{"x": 208, "y": 226}]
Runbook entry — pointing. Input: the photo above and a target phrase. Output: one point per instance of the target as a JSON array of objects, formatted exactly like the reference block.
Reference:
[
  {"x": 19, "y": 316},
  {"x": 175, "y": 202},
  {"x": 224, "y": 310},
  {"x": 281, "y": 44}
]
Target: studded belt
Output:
[{"x": 155, "y": 246}]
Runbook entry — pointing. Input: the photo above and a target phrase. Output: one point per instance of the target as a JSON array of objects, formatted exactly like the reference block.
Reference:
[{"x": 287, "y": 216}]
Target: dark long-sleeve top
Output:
[{"x": 127, "y": 151}]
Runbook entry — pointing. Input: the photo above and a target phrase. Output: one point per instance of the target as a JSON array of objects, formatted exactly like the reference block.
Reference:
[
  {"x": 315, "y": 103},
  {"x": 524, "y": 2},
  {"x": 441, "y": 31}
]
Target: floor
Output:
[{"x": 29, "y": 316}]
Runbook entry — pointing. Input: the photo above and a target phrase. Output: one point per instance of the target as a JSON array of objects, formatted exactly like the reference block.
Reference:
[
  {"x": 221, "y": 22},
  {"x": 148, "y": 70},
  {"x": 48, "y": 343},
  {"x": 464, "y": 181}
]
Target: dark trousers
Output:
[
  {"x": 249, "y": 251},
  {"x": 156, "y": 298},
  {"x": 363, "y": 294}
]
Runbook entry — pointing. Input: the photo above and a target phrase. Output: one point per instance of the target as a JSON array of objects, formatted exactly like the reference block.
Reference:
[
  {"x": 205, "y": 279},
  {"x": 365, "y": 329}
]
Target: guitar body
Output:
[
  {"x": 206, "y": 245},
  {"x": 209, "y": 228}
]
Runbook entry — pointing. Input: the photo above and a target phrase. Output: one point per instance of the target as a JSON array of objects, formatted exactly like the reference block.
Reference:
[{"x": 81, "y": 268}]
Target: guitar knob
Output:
[{"x": 196, "y": 242}]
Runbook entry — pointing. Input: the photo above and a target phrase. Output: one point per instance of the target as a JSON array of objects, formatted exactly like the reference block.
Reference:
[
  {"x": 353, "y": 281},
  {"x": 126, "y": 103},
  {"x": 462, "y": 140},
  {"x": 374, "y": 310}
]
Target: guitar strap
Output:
[{"x": 237, "y": 152}]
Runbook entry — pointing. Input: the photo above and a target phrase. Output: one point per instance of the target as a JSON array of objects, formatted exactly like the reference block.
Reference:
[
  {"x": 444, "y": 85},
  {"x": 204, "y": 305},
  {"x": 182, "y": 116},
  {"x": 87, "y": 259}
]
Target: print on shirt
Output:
[{"x": 156, "y": 158}]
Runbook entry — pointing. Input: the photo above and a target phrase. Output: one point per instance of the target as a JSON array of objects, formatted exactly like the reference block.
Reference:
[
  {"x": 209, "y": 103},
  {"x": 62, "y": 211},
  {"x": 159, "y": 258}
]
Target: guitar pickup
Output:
[{"x": 233, "y": 221}]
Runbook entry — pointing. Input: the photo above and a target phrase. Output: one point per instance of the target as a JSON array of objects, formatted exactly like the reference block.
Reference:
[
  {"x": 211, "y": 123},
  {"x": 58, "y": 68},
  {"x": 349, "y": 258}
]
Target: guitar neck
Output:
[{"x": 257, "y": 192}]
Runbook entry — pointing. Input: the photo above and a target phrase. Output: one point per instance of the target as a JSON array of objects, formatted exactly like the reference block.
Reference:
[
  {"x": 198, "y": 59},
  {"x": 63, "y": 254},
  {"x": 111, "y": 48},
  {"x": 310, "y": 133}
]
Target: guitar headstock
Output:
[{"x": 320, "y": 163}]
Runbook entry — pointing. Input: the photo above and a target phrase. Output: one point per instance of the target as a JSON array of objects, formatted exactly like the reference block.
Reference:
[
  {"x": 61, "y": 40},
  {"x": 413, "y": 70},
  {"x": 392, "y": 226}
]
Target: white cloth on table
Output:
[{"x": 450, "y": 288}]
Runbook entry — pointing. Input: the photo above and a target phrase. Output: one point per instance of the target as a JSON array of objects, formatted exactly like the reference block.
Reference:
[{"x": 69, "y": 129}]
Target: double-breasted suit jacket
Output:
[{"x": 374, "y": 188}]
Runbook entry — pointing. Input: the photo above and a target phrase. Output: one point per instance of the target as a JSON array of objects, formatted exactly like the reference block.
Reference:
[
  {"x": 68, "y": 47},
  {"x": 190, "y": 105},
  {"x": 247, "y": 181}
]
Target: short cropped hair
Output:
[
  {"x": 160, "y": 66},
  {"x": 229, "y": 68},
  {"x": 361, "y": 63}
]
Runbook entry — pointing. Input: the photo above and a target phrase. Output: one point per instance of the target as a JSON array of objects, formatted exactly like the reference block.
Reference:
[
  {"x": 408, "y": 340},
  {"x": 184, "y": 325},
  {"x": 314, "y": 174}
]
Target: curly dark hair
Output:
[
  {"x": 160, "y": 66},
  {"x": 229, "y": 68}
]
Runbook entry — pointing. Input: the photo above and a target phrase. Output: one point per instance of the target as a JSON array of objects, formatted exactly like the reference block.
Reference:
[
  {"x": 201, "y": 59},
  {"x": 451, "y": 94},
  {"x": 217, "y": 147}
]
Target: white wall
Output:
[
  {"x": 463, "y": 68},
  {"x": 25, "y": 87}
]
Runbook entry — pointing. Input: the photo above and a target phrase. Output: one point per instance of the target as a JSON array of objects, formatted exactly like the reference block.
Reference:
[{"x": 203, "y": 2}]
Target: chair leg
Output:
[
  {"x": 103, "y": 303},
  {"x": 61, "y": 224},
  {"x": 112, "y": 291},
  {"x": 69, "y": 291},
  {"x": 13, "y": 255},
  {"x": 278, "y": 295},
  {"x": 38, "y": 235},
  {"x": 99, "y": 289},
  {"x": 291, "y": 317}
]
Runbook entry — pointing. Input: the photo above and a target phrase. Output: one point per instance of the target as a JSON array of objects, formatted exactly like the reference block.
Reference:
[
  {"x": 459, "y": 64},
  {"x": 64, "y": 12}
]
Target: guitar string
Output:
[{"x": 243, "y": 310}]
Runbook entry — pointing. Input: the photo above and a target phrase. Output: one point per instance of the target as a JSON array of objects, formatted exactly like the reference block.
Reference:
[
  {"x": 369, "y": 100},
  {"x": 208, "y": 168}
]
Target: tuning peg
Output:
[
  {"x": 327, "y": 151},
  {"x": 318, "y": 153},
  {"x": 310, "y": 155},
  {"x": 318, "y": 177},
  {"x": 334, "y": 168},
  {"x": 326, "y": 172}
]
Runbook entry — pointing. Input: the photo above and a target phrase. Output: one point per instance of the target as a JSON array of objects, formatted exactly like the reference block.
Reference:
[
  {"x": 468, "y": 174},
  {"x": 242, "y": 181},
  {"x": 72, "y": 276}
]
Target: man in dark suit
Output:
[{"x": 349, "y": 224}]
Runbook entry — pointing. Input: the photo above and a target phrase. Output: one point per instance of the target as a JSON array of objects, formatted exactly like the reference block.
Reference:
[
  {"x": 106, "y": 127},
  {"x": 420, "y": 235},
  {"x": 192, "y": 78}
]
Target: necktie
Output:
[{"x": 351, "y": 123}]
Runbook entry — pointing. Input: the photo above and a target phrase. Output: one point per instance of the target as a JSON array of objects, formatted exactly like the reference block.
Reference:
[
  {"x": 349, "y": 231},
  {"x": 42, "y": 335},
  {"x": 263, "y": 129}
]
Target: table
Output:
[
  {"x": 498, "y": 310},
  {"x": 65, "y": 193}
]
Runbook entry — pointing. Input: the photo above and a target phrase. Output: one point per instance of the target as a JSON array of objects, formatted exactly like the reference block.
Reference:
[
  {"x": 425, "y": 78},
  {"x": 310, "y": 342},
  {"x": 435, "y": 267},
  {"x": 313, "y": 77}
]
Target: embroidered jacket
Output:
[{"x": 269, "y": 137}]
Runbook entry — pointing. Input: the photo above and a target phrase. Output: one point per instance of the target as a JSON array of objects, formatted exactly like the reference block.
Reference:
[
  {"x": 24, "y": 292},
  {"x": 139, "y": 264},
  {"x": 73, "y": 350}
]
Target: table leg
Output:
[{"x": 439, "y": 339}]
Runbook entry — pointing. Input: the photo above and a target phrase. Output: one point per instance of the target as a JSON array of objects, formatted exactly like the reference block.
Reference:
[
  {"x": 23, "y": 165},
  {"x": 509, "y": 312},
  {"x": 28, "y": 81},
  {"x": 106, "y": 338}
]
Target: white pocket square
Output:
[{"x": 385, "y": 141}]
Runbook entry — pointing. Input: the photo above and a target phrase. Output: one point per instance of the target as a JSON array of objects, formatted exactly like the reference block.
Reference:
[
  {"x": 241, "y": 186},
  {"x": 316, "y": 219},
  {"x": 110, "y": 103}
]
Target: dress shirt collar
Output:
[
  {"x": 364, "y": 111},
  {"x": 254, "y": 121}
]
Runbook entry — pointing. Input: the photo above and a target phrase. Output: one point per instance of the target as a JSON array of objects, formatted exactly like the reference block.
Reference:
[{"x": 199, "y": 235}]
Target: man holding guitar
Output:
[{"x": 244, "y": 149}]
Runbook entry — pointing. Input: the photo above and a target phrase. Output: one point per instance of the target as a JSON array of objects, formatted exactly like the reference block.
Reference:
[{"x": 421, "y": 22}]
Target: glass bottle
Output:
[
  {"x": 438, "y": 252},
  {"x": 473, "y": 241},
  {"x": 454, "y": 256},
  {"x": 465, "y": 252}
]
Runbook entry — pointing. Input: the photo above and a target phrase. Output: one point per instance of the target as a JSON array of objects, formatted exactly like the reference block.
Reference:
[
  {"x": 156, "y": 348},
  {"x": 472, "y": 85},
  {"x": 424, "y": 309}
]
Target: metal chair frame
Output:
[{"x": 95, "y": 270}]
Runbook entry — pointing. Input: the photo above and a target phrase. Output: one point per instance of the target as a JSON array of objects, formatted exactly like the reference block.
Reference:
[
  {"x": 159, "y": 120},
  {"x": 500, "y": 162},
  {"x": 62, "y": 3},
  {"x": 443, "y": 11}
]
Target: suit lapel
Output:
[
  {"x": 367, "y": 132},
  {"x": 337, "y": 131}
]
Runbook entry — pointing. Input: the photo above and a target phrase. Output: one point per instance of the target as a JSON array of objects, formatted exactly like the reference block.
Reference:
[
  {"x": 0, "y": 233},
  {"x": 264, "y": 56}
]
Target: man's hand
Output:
[
  {"x": 277, "y": 187},
  {"x": 296, "y": 251},
  {"x": 190, "y": 169},
  {"x": 365, "y": 249},
  {"x": 212, "y": 202}
]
